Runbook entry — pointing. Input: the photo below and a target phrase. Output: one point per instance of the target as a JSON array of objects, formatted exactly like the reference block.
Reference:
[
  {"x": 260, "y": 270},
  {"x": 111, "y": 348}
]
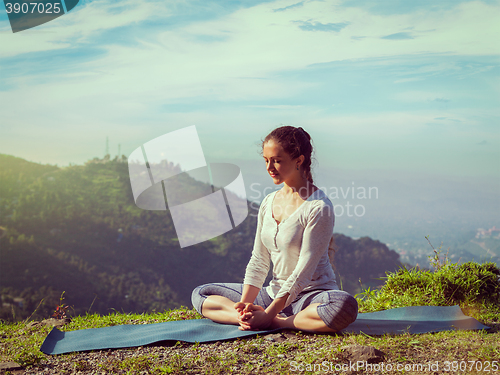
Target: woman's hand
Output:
[
  {"x": 240, "y": 306},
  {"x": 245, "y": 309},
  {"x": 252, "y": 317}
]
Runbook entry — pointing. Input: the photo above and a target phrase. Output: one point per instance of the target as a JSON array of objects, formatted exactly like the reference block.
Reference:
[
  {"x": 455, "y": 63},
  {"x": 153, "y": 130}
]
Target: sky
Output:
[{"x": 388, "y": 89}]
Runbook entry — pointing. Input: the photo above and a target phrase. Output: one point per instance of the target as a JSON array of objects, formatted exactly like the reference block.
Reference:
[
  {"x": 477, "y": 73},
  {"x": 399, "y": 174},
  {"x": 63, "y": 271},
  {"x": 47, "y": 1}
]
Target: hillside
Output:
[
  {"x": 476, "y": 288},
  {"x": 77, "y": 230}
]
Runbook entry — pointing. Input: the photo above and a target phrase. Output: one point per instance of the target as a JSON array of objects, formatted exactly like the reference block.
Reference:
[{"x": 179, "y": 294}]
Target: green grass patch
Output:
[{"x": 475, "y": 287}]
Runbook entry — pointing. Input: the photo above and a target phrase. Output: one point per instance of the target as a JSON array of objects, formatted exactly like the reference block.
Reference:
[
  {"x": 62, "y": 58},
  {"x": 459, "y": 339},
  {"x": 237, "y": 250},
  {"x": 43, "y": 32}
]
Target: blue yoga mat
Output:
[{"x": 414, "y": 319}]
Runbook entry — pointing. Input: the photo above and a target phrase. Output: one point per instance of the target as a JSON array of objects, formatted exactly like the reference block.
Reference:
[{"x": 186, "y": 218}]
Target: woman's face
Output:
[{"x": 279, "y": 164}]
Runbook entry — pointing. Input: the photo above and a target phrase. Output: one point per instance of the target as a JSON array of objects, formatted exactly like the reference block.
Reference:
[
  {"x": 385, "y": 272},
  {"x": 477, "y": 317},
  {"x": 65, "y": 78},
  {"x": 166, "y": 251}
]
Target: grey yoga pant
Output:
[{"x": 337, "y": 308}]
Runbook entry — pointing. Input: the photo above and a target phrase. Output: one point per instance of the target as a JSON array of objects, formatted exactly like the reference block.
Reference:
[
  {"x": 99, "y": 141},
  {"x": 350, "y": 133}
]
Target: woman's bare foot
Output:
[
  {"x": 306, "y": 320},
  {"x": 280, "y": 322}
]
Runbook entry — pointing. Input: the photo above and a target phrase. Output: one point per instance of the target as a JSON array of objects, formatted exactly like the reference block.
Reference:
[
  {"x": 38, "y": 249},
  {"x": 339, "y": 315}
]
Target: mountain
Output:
[{"x": 77, "y": 230}]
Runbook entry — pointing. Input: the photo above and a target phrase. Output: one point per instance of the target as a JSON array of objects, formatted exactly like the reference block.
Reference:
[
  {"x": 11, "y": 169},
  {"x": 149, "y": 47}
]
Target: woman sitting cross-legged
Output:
[{"x": 295, "y": 233}]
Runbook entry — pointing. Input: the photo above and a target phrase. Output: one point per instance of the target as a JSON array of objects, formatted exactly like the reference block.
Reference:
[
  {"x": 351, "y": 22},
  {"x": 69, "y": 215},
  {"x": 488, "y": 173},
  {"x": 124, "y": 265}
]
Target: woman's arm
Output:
[
  {"x": 248, "y": 296},
  {"x": 276, "y": 306},
  {"x": 258, "y": 266}
]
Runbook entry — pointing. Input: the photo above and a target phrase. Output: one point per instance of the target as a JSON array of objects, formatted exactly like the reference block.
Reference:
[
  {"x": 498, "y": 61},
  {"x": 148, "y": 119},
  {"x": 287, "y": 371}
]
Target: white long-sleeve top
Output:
[{"x": 297, "y": 246}]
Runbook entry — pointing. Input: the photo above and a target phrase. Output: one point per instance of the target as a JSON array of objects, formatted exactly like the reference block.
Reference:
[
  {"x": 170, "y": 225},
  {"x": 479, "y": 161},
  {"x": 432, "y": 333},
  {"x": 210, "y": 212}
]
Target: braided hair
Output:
[{"x": 295, "y": 142}]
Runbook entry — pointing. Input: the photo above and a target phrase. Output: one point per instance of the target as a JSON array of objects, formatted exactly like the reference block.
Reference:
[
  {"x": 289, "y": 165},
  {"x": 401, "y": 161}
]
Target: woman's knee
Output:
[
  {"x": 231, "y": 291},
  {"x": 197, "y": 297},
  {"x": 340, "y": 310}
]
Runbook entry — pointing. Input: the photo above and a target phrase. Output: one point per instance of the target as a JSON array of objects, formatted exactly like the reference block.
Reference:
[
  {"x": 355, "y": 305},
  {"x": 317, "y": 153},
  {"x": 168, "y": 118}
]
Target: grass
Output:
[
  {"x": 475, "y": 287},
  {"x": 21, "y": 341}
]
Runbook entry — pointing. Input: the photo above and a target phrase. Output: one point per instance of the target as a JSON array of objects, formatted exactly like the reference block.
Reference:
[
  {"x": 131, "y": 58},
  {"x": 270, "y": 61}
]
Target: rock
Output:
[
  {"x": 289, "y": 335},
  {"x": 276, "y": 337},
  {"x": 56, "y": 322},
  {"x": 363, "y": 353},
  {"x": 10, "y": 366},
  {"x": 32, "y": 324}
]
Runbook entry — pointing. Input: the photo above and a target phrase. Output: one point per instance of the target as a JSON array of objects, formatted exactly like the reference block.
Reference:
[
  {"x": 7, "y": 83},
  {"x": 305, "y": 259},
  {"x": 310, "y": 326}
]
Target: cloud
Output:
[
  {"x": 248, "y": 41},
  {"x": 249, "y": 56},
  {"x": 279, "y": 106},
  {"x": 447, "y": 119},
  {"x": 441, "y": 100},
  {"x": 398, "y": 36},
  {"x": 205, "y": 38},
  {"x": 398, "y": 7},
  {"x": 318, "y": 26},
  {"x": 421, "y": 96},
  {"x": 405, "y": 80},
  {"x": 296, "y": 5},
  {"x": 80, "y": 26}
]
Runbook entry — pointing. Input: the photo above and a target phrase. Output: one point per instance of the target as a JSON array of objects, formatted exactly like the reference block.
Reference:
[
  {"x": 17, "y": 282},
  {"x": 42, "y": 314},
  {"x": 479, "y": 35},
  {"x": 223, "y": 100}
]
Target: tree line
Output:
[{"x": 77, "y": 230}]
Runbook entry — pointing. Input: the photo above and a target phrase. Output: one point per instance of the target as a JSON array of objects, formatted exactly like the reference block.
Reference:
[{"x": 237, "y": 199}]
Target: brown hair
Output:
[{"x": 295, "y": 142}]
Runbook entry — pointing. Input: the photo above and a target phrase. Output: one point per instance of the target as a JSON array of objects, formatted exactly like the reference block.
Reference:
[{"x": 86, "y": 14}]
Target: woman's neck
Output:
[{"x": 302, "y": 188}]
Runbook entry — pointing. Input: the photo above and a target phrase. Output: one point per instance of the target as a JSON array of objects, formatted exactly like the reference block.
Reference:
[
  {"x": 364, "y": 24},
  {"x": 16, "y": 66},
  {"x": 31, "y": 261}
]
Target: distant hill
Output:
[
  {"x": 76, "y": 229},
  {"x": 361, "y": 263}
]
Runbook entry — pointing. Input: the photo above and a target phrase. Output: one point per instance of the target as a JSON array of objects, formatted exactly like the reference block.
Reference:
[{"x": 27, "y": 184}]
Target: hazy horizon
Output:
[
  {"x": 408, "y": 86},
  {"x": 391, "y": 204},
  {"x": 398, "y": 95}
]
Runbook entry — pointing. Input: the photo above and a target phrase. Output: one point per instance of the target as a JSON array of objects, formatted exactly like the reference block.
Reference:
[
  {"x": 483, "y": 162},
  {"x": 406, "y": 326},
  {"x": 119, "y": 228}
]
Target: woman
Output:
[{"x": 294, "y": 231}]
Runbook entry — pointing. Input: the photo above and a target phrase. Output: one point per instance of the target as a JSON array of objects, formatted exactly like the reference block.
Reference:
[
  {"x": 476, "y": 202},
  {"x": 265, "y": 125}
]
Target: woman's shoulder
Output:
[
  {"x": 318, "y": 204},
  {"x": 320, "y": 199},
  {"x": 267, "y": 200},
  {"x": 318, "y": 208}
]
